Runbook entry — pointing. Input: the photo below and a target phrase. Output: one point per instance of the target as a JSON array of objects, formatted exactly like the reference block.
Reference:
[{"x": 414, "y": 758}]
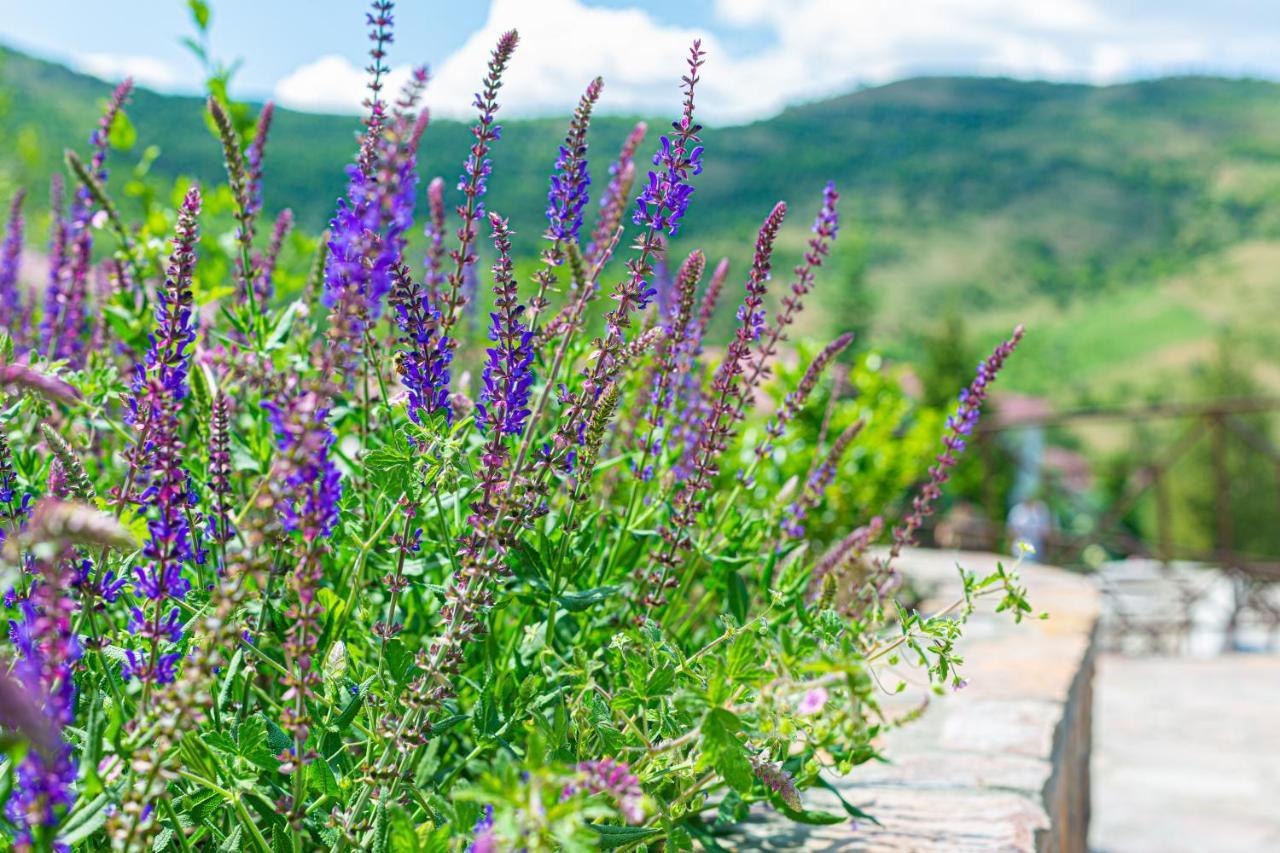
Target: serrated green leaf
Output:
[
  {"x": 724, "y": 751},
  {"x": 251, "y": 743}
]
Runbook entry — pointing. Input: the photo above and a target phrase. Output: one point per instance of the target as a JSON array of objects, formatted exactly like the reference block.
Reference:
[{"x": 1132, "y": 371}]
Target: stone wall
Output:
[{"x": 1000, "y": 765}]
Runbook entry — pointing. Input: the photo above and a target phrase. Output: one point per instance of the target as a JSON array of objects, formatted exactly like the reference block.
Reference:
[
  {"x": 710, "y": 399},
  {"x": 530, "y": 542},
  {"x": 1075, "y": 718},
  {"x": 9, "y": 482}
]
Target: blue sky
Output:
[{"x": 763, "y": 54}]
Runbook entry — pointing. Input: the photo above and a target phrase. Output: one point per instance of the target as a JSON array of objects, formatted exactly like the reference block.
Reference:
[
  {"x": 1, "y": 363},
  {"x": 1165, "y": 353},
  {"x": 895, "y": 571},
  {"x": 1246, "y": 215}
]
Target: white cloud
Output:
[
  {"x": 330, "y": 84},
  {"x": 146, "y": 71},
  {"x": 814, "y": 48},
  {"x": 563, "y": 45}
]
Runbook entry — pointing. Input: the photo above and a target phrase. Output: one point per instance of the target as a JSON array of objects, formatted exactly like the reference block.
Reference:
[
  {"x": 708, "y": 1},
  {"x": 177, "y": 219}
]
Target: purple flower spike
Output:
[
  {"x": 665, "y": 198},
  {"x": 424, "y": 353},
  {"x": 160, "y": 386},
  {"x": 475, "y": 177},
  {"x": 569, "y": 182},
  {"x": 960, "y": 426},
  {"x": 48, "y": 652},
  {"x": 10, "y": 258},
  {"x": 613, "y": 203},
  {"x": 508, "y": 374}
]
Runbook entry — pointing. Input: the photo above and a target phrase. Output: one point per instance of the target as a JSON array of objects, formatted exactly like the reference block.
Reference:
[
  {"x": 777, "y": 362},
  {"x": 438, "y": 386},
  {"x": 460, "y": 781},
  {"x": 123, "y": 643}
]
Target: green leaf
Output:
[
  {"x": 284, "y": 324},
  {"x": 402, "y": 837},
  {"x": 852, "y": 810},
  {"x": 251, "y": 743},
  {"x": 320, "y": 778},
  {"x": 199, "y": 13},
  {"x": 349, "y": 712},
  {"x": 85, "y": 821},
  {"x": 276, "y": 737},
  {"x": 122, "y": 136},
  {"x": 724, "y": 751},
  {"x": 575, "y": 602},
  {"x": 616, "y": 836},
  {"x": 808, "y": 816}
]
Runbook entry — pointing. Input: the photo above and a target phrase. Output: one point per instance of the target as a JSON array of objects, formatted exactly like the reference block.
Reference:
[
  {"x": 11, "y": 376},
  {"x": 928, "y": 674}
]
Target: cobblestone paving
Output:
[{"x": 1186, "y": 755}]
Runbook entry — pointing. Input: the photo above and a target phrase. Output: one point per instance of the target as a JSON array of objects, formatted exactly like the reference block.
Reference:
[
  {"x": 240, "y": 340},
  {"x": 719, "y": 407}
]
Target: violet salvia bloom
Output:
[
  {"x": 778, "y": 781},
  {"x": 15, "y": 507},
  {"x": 381, "y": 187},
  {"x": 159, "y": 390},
  {"x": 508, "y": 374},
  {"x": 615, "y": 780},
  {"x": 795, "y": 401},
  {"x": 673, "y": 358},
  {"x": 819, "y": 479},
  {"x": 570, "y": 180},
  {"x": 653, "y": 580},
  {"x": 71, "y": 324},
  {"x": 665, "y": 198},
  {"x": 220, "y": 529},
  {"x": 311, "y": 482},
  {"x": 824, "y": 231},
  {"x": 265, "y": 268},
  {"x": 309, "y": 487},
  {"x": 253, "y": 159},
  {"x": 434, "y": 232},
  {"x": 10, "y": 259},
  {"x": 483, "y": 839},
  {"x": 475, "y": 176},
  {"x": 48, "y": 652},
  {"x": 613, "y": 202},
  {"x": 167, "y": 361},
  {"x": 423, "y": 354},
  {"x": 960, "y": 426},
  {"x": 59, "y": 230}
]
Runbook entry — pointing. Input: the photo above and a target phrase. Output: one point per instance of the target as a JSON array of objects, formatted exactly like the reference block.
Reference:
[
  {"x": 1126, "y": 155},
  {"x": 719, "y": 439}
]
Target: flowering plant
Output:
[{"x": 280, "y": 577}]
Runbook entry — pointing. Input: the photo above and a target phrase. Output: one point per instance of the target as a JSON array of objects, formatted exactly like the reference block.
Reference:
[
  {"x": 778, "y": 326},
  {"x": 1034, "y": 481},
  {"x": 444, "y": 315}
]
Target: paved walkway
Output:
[{"x": 1186, "y": 754}]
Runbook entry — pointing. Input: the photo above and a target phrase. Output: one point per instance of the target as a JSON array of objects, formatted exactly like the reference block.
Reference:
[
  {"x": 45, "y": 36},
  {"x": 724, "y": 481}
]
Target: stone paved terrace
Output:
[
  {"x": 1000, "y": 765},
  {"x": 1187, "y": 755}
]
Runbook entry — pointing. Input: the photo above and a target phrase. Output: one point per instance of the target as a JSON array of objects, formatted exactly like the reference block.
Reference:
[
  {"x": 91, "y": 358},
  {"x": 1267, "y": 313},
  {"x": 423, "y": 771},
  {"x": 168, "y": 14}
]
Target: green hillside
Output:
[{"x": 1129, "y": 226}]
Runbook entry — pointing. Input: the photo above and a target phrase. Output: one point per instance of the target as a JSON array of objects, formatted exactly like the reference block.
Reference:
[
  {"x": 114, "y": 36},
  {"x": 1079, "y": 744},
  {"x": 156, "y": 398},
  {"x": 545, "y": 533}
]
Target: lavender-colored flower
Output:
[
  {"x": 368, "y": 232},
  {"x": 652, "y": 581},
  {"x": 15, "y": 507},
  {"x": 265, "y": 267},
  {"x": 614, "y": 780},
  {"x": 819, "y": 479},
  {"x": 508, "y": 375},
  {"x": 59, "y": 232},
  {"x": 824, "y": 231},
  {"x": 23, "y": 377},
  {"x": 48, "y": 651},
  {"x": 613, "y": 203},
  {"x": 795, "y": 401},
  {"x": 665, "y": 199},
  {"x": 308, "y": 478},
  {"x": 220, "y": 527},
  {"x": 483, "y": 839},
  {"x": 570, "y": 180},
  {"x": 960, "y": 426},
  {"x": 253, "y": 159},
  {"x": 674, "y": 357},
  {"x": 160, "y": 387},
  {"x": 475, "y": 176},
  {"x": 434, "y": 232},
  {"x": 777, "y": 780},
  {"x": 423, "y": 355},
  {"x": 10, "y": 258},
  {"x": 812, "y": 701},
  {"x": 308, "y": 487},
  {"x": 68, "y": 319}
]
